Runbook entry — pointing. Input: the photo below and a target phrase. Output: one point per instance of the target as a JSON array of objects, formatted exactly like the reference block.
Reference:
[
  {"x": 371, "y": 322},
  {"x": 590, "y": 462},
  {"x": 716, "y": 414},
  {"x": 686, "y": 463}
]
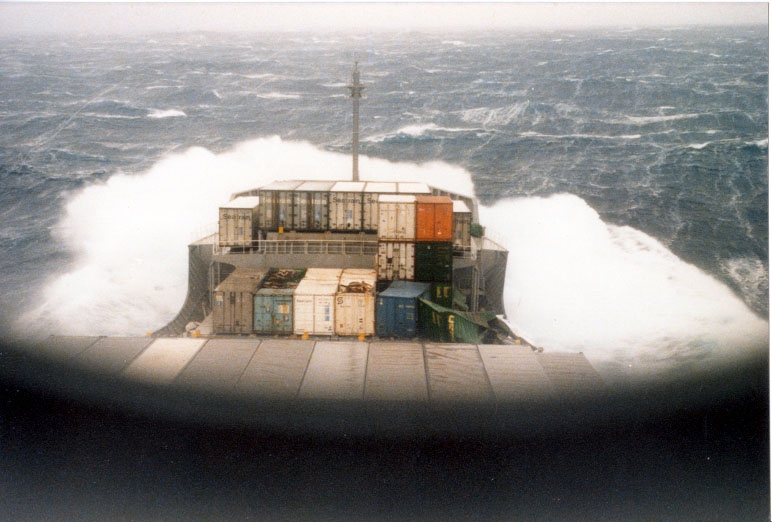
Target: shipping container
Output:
[
  {"x": 462, "y": 226},
  {"x": 434, "y": 218},
  {"x": 238, "y": 222},
  {"x": 323, "y": 274},
  {"x": 396, "y": 217},
  {"x": 441, "y": 324},
  {"x": 346, "y": 200},
  {"x": 233, "y": 302},
  {"x": 310, "y": 208},
  {"x": 355, "y": 302},
  {"x": 314, "y": 302},
  {"x": 396, "y": 309},
  {"x": 273, "y": 311},
  {"x": 370, "y": 203},
  {"x": 276, "y": 205},
  {"x": 442, "y": 294},
  {"x": 413, "y": 187},
  {"x": 273, "y": 306},
  {"x": 396, "y": 260},
  {"x": 434, "y": 262}
]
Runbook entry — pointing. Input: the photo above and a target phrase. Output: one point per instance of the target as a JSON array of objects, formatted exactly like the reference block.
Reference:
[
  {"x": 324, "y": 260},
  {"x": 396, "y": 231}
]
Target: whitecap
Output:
[{"x": 167, "y": 113}]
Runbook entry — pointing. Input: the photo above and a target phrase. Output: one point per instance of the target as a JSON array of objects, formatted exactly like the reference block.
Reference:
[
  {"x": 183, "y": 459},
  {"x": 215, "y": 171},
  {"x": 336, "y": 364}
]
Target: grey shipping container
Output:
[
  {"x": 434, "y": 262},
  {"x": 396, "y": 261},
  {"x": 310, "y": 207},
  {"x": 237, "y": 224},
  {"x": 233, "y": 303},
  {"x": 396, "y": 309},
  {"x": 276, "y": 205}
]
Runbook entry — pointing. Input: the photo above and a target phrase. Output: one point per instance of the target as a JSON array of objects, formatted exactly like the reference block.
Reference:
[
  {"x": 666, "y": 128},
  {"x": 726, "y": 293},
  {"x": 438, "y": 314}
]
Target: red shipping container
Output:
[{"x": 434, "y": 218}]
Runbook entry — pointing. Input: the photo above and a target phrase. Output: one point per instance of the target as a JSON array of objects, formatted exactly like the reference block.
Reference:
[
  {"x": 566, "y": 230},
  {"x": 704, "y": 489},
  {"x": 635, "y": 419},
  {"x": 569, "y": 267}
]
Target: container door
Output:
[
  {"x": 262, "y": 310},
  {"x": 443, "y": 222},
  {"x": 282, "y": 315},
  {"x": 324, "y": 314}
]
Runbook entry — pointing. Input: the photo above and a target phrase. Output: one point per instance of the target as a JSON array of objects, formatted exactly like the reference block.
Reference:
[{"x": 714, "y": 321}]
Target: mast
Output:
[{"x": 356, "y": 93}]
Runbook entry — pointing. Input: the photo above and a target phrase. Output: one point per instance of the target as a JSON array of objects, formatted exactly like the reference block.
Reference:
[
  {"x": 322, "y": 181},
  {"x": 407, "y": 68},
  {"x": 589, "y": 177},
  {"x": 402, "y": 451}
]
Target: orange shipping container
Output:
[{"x": 434, "y": 218}]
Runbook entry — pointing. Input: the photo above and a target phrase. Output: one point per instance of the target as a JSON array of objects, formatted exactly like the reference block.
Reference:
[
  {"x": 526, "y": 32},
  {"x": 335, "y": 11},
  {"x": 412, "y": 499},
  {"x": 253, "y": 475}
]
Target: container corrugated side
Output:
[
  {"x": 442, "y": 294},
  {"x": 434, "y": 218},
  {"x": 346, "y": 206},
  {"x": 233, "y": 301},
  {"x": 237, "y": 222},
  {"x": 396, "y": 217},
  {"x": 355, "y": 302},
  {"x": 434, "y": 262},
  {"x": 396, "y": 309},
  {"x": 314, "y": 307},
  {"x": 396, "y": 260}
]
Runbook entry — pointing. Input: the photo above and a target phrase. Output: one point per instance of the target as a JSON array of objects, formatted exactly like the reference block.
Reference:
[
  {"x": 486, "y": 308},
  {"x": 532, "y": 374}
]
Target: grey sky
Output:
[{"x": 152, "y": 17}]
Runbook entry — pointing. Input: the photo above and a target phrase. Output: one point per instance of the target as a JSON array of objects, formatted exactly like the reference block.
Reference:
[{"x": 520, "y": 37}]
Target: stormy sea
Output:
[{"x": 626, "y": 171}]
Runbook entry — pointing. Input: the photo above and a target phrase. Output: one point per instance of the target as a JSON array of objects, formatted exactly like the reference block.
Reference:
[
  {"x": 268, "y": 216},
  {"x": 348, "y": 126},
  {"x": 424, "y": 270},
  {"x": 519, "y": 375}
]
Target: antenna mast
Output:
[{"x": 356, "y": 93}]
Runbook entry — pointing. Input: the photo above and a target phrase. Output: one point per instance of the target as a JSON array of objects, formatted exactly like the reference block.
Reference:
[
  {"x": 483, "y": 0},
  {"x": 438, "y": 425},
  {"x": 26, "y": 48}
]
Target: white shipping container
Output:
[
  {"x": 346, "y": 205},
  {"x": 314, "y": 307},
  {"x": 372, "y": 190},
  {"x": 324, "y": 274},
  {"x": 413, "y": 187},
  {"x": 396, "y": 261},
  {"x": 237, "y": 221},
  {"x": 462, "y": 225},
  {"x": 396, "y": 217},
  {"x": 355, "y": 302}
]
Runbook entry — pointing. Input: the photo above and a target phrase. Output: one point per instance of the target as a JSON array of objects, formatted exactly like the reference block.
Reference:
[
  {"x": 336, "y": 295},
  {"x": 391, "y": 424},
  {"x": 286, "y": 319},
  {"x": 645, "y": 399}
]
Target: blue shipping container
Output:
[
  {"x": 273, "y": 311},
  {"x": 396, "y": 309}
]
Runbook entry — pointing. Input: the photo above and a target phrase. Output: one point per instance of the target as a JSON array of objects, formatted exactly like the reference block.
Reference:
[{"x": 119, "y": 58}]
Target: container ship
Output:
[
  {"x": 364, "y": 259},
  {"x": 337, "y": 292}
]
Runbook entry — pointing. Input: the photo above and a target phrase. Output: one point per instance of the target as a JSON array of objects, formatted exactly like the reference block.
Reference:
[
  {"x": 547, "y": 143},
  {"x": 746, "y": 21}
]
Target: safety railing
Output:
[{"x": 300, "y": 247}]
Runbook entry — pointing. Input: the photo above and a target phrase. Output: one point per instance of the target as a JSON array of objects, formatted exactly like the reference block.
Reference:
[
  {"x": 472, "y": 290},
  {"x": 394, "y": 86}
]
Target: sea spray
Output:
[{"x": 634, "y": 308}]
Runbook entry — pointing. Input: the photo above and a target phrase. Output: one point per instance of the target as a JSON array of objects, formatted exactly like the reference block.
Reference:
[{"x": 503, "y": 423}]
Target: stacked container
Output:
[
  {"x": 434, "y": 218},
  {"x": 276, "y": 205},
  {"x": 396, "y": 310},
  {"x": 273, "y": 305},
  {"x": 234, "y": 300},
  {"x": 238, "y": 222},
  {"x": 462, "y": 226},
  {"x": 346, "y": 206},
  {"x": 355, "y": 302},
  {"x": 314, "y": 302},
  {"x": 310, "y": 207},
  {"x": 396, "y": 237},
  {"x": 373, "y": 190}
]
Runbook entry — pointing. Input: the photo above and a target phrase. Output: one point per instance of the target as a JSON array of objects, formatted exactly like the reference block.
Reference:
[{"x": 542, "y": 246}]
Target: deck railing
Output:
[{"x": 367, "y": 247}]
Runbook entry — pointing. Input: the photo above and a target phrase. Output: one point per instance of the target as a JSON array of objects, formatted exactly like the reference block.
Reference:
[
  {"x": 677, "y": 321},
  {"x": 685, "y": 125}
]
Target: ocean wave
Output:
[
  {"x": 635, "y": 309},
  {"x": 646, "y": 120},
  {"x": 532, "y": 134},
  {"x": 278, "y": 96},
  {"x": 158, "y": 114},
  {"x": 417, "y": 131}
]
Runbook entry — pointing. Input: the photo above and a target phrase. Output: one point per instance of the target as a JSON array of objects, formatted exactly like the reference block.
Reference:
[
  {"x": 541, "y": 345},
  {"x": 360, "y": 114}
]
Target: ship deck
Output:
[{"x": 341, "y": 370}]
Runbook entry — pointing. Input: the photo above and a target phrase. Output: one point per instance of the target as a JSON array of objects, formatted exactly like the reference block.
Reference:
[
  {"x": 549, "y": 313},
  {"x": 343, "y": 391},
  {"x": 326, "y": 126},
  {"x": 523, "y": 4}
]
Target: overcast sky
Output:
[{"x": 108, "y": 18}]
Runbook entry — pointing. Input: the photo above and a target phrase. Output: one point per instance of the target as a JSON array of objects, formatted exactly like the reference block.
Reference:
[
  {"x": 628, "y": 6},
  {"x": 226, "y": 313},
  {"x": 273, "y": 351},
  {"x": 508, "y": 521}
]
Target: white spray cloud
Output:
[{"x": 615, "y": 293}]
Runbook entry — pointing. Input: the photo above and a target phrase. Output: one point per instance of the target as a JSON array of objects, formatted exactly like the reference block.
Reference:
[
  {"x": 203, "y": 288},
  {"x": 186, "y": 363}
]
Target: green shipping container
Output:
[
  {"x": 444, "y": 325},
  {"x": 434, "y": 262}
]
